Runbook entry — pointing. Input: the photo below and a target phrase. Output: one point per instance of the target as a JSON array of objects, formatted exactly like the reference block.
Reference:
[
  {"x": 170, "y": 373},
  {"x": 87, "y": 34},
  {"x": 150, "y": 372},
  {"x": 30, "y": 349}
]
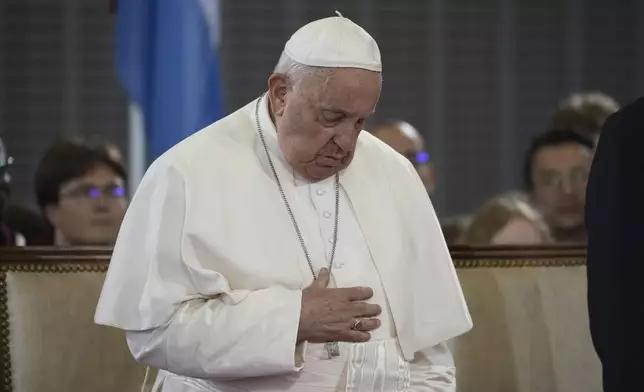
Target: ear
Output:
[
  {"x": 52, "y": 214},
  {"x": 277, "y": 89}
]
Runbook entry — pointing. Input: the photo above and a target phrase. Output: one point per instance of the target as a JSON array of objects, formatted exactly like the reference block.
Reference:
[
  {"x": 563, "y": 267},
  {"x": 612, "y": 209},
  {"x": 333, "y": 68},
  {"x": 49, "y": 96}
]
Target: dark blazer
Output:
[{"x": 615, "y": 224}]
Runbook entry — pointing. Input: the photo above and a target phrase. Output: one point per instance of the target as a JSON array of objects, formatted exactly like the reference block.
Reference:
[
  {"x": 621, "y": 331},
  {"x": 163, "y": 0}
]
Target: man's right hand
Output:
[{"x": 329, "y": 314}]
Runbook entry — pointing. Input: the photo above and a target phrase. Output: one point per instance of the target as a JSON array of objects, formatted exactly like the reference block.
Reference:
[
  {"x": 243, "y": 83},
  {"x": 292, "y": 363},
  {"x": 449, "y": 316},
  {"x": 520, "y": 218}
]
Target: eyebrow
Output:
[
  {"x": 340, "y": 111},
  {"x": 115, "y": 182},
  {"x": 334, "y": 110}
]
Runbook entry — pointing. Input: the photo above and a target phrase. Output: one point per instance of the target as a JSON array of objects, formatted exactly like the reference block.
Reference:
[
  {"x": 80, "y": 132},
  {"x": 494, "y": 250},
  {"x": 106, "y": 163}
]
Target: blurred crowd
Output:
[
  {"x": 80, "y": 186},
  {"x": 549, "y": 208}
]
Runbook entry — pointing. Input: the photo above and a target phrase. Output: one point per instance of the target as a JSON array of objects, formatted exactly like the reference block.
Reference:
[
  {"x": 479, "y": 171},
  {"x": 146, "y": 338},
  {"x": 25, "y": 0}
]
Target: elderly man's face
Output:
[{"x": 319, "y": 119}]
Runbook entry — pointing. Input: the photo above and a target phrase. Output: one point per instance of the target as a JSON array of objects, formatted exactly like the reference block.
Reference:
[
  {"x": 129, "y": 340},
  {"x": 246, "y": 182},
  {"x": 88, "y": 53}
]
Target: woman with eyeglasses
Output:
[{"x": 80, "y": 188}]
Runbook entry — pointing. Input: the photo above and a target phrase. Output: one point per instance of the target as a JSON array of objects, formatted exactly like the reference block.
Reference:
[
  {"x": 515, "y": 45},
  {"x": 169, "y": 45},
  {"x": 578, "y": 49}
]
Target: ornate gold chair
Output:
[
  {"x": 530, "y": 321},
  {"x": 528, "y": 305},
  {"x": 48, "y": 340}
]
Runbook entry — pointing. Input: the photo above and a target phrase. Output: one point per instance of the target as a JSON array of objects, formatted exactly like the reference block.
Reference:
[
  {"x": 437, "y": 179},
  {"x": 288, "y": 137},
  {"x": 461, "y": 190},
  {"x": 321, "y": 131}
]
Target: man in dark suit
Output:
[{"x": 615, "y": 225}]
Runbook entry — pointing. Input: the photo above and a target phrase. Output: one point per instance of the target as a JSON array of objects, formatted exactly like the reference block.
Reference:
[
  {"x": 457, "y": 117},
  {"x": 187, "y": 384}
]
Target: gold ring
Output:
[{"x": 356, "y": 324}]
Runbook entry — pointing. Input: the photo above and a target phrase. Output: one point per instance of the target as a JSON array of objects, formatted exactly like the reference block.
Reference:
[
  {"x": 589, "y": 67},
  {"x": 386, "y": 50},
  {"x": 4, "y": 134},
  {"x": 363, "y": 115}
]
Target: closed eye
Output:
[{"x": 332, "y": 116}]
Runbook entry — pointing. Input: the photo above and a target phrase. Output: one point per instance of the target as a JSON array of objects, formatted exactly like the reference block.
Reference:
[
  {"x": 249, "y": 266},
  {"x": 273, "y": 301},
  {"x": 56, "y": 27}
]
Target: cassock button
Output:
[
  {"x": 330, "y": 240},
  {"x": 327, "y": 214},
  {"x": 320, "y": 192}
]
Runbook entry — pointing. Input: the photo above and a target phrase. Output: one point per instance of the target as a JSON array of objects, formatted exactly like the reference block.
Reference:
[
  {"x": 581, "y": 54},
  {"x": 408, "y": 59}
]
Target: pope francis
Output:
[{"x": 283, "y": 249}]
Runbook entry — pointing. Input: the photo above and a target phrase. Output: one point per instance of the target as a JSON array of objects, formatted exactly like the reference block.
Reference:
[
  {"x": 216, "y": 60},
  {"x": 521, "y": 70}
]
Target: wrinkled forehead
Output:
[{"x": 350, "y": 90}]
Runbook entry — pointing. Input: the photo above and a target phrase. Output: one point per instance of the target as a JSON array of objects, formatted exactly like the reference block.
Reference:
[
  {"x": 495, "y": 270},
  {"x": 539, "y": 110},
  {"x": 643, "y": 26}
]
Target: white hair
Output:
[
  {"x": 293, "y": 69},
  {"x": 296, "y": 71}
]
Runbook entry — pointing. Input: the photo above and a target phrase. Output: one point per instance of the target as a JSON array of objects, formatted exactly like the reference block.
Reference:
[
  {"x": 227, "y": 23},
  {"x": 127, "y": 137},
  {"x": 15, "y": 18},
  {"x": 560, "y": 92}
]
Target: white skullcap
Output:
[{"x": 334, "y": 42}]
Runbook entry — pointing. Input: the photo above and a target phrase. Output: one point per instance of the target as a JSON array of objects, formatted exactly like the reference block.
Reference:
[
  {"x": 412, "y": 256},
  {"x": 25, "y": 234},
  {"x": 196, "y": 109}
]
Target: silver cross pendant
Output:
[{"x": 333, "y": 349}]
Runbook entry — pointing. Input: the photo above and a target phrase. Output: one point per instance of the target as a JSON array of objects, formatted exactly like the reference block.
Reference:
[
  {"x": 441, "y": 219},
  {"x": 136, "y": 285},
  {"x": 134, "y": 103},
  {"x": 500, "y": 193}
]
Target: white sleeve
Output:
[
  {"x": 210, "y": 339},
  {"x": 433, "y": 368},
  {"x": 180, "y": 315}
]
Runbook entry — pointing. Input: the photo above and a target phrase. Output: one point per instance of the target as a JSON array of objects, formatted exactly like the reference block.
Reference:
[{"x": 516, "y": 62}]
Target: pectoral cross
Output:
[{"x": 333, "y": 348}]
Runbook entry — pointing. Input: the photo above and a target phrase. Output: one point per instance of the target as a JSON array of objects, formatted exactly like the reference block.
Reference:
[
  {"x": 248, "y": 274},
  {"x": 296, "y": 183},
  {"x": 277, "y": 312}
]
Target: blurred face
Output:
[
  {"x": 560, "y": 174},
  {"x": 518, "y": 231},
  {"x": 319, "y": 118},
  {"x": 410, "y": 147},
  {"x": 90, "y": 209}
]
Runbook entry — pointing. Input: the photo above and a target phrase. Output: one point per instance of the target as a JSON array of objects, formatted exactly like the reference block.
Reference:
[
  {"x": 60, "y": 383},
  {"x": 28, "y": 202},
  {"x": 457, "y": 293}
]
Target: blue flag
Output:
[{"x": 167, "y": 61}]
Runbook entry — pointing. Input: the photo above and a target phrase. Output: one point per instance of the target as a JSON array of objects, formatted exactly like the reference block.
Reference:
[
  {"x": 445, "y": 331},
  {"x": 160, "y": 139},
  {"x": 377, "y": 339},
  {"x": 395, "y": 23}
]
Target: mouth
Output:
[
  {"x": 329, "y": 162},
  {"x": 101, "y": 222},
  {"x": 568, "y": 210}
]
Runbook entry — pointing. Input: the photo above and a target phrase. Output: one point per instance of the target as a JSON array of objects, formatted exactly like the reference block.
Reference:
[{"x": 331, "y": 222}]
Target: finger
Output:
[
  {"x": 322, "y": 280},
  {"x": 358, "y": 293},
  {"x": 362, "y": 309},
  {"x": 367, "y": 324},
  {"x": 355, "y": 336}
]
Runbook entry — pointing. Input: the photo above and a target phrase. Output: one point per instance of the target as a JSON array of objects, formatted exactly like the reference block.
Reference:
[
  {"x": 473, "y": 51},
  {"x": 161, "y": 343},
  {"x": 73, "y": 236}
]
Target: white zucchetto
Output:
[{"x": 334, "y": 42}]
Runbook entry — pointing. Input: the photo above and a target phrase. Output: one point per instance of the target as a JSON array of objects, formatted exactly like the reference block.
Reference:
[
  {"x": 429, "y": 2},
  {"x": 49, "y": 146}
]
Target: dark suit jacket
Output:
[{"x": 615, "y": 224}]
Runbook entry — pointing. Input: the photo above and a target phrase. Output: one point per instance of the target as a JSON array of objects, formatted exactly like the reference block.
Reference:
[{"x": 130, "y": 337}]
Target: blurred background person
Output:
[
  {"x": 584, "y": 112},
  {"x": 474, "y": 106},
  {"x": 455, "y": 227},
  {"x": 81, "y": 190},
  {"x": 555, "y": 173},
  {"x": 29, "y": 222},
  {"x": 407, "y": 141},
  {"x": 507, "y": 219},
  {"x": 8, "y": 235},
  {"x": 21, "y": 225}
]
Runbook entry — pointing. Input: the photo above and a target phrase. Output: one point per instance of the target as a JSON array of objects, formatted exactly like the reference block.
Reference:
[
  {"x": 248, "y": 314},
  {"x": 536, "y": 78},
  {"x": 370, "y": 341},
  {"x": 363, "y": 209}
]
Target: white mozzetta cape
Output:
[{"x": 207, "y": 241}]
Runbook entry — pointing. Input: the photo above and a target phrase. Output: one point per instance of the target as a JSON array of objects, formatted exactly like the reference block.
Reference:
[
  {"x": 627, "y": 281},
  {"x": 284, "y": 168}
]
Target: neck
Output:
[{"x": 60, "y": 239}]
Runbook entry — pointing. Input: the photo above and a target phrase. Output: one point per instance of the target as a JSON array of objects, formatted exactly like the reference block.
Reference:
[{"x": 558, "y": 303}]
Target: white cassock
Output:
[{"x": 207, "y": 272}]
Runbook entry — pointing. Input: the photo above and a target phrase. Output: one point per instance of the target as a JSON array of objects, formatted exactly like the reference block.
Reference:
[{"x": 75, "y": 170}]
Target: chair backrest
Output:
[
  {"x": 530, "y": 323},
  {"x": 48, "y": 340},
  {"x": 529, "y": 310}
]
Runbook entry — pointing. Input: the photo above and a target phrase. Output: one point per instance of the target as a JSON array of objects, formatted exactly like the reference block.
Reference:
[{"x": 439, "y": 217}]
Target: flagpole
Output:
[
  {"x": 136, "y": 147},
  {"x": 137, "y": 153}
]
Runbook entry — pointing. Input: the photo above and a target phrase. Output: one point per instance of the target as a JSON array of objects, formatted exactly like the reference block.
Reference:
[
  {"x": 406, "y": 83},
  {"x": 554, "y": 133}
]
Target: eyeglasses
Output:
[
  {"x": 555, "y": 179},
  {"x": 418, "y": 158},
  {"x": 91, "y": 192}
]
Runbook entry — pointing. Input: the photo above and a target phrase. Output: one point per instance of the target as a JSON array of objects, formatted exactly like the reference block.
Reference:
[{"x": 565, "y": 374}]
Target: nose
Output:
[
  {"x": 567, "y": 186},
  {"x": 345, "y": 141},
  {"x": 100, "y": 204}
]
